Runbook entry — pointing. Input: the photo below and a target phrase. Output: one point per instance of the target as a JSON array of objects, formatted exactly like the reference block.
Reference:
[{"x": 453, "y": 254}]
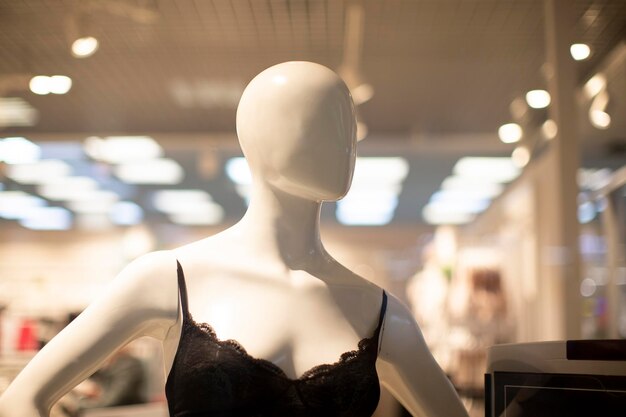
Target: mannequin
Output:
[{"x": 267, "y": 275}]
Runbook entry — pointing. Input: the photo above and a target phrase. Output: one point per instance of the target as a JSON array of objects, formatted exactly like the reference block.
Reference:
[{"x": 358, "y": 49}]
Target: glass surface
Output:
[{"x": 558, "y": 395}]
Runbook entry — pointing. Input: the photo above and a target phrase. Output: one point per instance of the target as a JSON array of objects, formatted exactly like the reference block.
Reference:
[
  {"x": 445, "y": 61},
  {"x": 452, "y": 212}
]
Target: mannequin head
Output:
[{"x": 297, "y": 128}]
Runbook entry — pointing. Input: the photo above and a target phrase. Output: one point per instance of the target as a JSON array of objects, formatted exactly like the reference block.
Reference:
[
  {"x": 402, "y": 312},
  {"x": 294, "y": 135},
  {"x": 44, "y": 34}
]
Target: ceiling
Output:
[{"x": 444, "y": 72}]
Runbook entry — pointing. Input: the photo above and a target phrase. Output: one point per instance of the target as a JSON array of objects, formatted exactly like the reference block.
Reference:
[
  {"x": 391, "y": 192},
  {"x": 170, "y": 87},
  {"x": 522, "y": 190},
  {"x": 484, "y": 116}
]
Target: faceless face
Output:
[{"x": 296, "y": 124}]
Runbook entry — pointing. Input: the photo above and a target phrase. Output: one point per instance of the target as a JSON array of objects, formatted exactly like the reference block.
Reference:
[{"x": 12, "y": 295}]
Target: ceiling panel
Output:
[{"x": 436, "y": 66}]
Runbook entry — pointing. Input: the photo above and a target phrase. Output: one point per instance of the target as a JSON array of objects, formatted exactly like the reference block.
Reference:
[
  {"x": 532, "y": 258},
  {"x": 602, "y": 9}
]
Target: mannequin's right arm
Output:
[{"x": 141, "y": 301}]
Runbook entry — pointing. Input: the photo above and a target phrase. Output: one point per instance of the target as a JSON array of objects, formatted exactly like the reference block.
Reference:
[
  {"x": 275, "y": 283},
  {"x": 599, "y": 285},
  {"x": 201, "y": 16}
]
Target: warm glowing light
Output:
[
  {"x": 549, "y": 129},
  {"x": 39, "y": 85},
  {"x": 600, "y": 119},
  {"x": 362, "y": 93},
  {"x": 361, "y": 131},
  {"x": 580, "y": 51},
  {"x": 521, "y": 156},
  {"x": 18, "y": 150},
  {"x": 56, "y": 84},
  {"x": 59, "y": 84},
  {"x": 151, "y": 171},
  {"x": 538, "y": 99},
  {"x": 510, "y": 133},
  {"x": 595, "y": 84},
  {"x": 84, "y": 47}
]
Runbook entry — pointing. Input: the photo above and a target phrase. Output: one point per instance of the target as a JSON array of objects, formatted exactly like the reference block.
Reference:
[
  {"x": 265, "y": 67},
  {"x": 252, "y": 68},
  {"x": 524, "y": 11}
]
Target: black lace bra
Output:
[{"x": 218, "y": 378}]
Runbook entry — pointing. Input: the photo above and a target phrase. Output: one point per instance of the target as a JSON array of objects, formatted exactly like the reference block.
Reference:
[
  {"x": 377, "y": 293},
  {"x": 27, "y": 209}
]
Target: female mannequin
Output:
[{"x": 267, "y": 282}]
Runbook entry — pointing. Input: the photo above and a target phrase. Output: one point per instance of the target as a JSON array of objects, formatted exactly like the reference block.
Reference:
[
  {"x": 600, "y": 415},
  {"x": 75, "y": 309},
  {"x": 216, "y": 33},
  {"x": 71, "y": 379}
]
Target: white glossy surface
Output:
[{"x": 267, "y": 281}]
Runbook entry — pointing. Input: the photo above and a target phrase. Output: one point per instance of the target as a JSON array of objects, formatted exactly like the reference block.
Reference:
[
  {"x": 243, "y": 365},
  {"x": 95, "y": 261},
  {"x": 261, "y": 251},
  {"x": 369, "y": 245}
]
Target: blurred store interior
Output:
[{"x": 489, "y": 193}]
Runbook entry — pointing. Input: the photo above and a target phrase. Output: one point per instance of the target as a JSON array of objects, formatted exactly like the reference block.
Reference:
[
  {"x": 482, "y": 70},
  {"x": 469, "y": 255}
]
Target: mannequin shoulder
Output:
[
  {"x": 151, "y": 266},
  {"x": 151, "y": 280},
  {"x": 400, "y": 330}
]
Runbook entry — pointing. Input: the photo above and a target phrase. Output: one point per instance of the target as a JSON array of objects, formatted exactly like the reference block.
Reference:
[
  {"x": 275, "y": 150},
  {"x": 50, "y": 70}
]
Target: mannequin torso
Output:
[
  {"x": 317, "y": 314},
  {"x": 267, "y": 282}
]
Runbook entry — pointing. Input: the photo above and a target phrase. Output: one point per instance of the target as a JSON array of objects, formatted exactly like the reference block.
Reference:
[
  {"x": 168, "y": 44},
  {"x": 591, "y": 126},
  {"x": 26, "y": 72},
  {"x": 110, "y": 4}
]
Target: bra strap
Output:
[
  {"x": 381, "y": 319},
  {"x": 182, "y": 288},
  {"x": 383, "y": 310}
]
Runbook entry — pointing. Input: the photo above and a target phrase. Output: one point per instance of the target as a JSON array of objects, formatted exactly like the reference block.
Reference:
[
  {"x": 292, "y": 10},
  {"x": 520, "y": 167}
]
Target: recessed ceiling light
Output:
[
  {"x": 510, "y": 133},
  {"x": 84, "y": 47},
  {"x": 600, "y": 119},
  {"x": 549, "y": 129},
  {"x": 60, "y": 84},
  {"x": 520, "y": 156},
  {"x": 594, "y": 85},
  {"x": 56, "y": 84},
  {"x": 39, "y": 85},
  {"x": 580, "y": 51},
  {"x": 538, "y": 99}
]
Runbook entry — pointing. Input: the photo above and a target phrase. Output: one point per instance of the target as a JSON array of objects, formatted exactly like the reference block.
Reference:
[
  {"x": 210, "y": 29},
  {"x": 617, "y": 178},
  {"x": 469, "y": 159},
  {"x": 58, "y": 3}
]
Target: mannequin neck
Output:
[{"x": 283, "y": 226}]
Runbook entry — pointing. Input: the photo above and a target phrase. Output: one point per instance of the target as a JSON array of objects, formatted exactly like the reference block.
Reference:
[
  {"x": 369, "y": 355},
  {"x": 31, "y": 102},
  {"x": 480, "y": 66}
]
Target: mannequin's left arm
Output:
[{"x": 409, "y": 371}]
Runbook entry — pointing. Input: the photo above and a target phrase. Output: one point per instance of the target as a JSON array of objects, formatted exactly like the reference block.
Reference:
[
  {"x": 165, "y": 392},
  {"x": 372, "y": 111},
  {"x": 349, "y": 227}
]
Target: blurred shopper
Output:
[
  {"x": 427, "y": 292},
  {"x": 479, "y": 320},
  {"x": 122, "y": 381}
]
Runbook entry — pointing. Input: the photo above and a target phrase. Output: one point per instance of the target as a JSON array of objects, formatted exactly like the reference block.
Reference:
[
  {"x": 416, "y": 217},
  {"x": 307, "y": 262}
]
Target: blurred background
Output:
[{"x": 489, "y": 193}]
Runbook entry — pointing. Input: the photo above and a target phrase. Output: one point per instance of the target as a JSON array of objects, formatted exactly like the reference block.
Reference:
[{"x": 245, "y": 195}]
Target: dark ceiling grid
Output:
[
  {"x": 335, "y": 22},
  {"x": 246, "y": 23},
  {"x": 317, "y": 23},
  {"x": 602, "y": 25}
]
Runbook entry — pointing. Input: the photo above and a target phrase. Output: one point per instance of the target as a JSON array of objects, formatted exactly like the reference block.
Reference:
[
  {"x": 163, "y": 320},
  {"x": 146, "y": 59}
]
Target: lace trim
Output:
[{"x": 363, "y": 348}]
